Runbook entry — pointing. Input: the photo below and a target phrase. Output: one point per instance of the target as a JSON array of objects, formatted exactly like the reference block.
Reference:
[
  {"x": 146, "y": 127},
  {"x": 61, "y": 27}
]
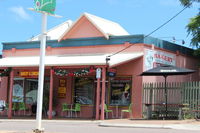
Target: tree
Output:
[
  {"x": 188, "y": 2},
  {"x": 193, "y": 26}
]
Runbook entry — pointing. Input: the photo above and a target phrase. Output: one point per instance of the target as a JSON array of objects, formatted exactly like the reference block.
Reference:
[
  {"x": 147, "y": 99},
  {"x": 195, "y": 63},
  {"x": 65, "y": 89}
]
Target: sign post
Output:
[{"x": 46, "y": 7}]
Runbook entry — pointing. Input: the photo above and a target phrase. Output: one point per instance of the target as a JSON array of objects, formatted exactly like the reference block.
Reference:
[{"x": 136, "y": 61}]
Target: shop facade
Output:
[{"x": 82, "y": 67}]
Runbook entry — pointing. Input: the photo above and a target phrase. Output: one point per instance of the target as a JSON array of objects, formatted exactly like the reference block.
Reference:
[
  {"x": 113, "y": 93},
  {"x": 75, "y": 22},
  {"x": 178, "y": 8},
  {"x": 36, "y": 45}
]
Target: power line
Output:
[{"x": 150, "y": 32}]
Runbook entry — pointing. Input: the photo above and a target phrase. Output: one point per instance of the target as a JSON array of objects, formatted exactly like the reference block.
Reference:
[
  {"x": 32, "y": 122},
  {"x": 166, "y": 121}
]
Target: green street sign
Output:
[{"x": 47, "y": 6}]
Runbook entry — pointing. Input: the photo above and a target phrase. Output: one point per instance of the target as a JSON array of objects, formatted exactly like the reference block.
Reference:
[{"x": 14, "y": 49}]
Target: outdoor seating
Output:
[
  {"x": 65, "y": 108},
  {"x": 106, "y": 110},
  {"x": 76, "y": 109},
  {"x": 196, "y": 112},
  {"x": 129, "y": 110}
]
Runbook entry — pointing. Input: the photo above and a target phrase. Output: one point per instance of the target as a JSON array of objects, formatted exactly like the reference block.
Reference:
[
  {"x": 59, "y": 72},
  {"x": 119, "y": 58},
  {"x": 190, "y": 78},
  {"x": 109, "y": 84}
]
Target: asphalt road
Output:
[{"x": 76, "y": 127}]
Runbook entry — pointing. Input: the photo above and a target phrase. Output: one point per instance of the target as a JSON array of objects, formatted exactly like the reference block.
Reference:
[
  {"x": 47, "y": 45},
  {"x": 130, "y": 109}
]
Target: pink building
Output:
[{"x": 74, "y": 53}]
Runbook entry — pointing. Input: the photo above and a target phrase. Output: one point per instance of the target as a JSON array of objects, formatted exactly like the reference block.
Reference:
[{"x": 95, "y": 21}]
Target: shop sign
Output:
[
  {"x": 112, "y": 72},
  {"x": 47, "y": 6},
  {"x": 155, "y": 58},
  {"x": 62, "y": 88},
  {"x": 29, "y": 73}
]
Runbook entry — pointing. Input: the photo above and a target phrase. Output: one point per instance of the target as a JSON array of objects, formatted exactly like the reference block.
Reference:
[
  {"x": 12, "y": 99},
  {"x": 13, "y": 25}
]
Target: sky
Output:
[{"x": 18, "y": 24}]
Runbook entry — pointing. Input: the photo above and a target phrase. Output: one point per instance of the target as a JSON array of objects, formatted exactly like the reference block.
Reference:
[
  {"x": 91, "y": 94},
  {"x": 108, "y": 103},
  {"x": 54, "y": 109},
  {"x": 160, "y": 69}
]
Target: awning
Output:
[{"x": 69, "y": 60}]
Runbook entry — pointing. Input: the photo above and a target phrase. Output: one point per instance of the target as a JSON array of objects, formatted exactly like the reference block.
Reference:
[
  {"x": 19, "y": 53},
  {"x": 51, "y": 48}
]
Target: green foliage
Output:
[
  {"x": 193, "y": 26},
  {"x": 5, "y": 72},
  {"x": 188, "y": 2},
  {"x": 188, "y": 116}
]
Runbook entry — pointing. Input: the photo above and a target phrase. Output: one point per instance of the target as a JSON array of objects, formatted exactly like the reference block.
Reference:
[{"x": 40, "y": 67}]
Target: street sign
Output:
[{"x": 47, "y": 6}]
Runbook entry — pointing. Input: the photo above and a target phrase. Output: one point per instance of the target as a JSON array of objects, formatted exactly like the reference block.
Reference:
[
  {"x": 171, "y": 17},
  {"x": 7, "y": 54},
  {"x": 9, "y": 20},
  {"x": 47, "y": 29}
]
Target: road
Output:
[{"x": 77, "y": 127}]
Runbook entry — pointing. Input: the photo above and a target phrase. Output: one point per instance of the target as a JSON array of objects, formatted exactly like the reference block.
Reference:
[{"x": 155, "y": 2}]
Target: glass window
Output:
[
  {"x": 84, "y": 90},
  {"x": 120, "y": 88},
  {"x": 31, "y": 91}
]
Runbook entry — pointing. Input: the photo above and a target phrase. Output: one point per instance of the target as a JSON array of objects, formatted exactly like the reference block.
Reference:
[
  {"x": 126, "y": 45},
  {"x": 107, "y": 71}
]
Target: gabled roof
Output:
[
  {"x": 106, "y": 27},
  {"x": 56, "y": 32}
]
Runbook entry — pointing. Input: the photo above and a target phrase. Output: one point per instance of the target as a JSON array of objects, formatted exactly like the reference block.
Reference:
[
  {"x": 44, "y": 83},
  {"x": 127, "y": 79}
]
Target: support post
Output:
[
  {"x": 11, "y": 94},
  {"x": 97, "y": 98},
  {"x": 103, "y": 92},
  {"x": 166, "y": 112},
  {"x": 51, "y": 94},
  {"x": 41, "y": 74}
]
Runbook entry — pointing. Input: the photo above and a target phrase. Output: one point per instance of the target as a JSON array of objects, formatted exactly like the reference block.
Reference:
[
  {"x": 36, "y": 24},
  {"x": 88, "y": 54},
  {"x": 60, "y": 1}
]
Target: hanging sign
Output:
[
  {"x": 47, "y": 6},
  {"x": 98, "y": 73},
  {"x": 112, "y": 72}
]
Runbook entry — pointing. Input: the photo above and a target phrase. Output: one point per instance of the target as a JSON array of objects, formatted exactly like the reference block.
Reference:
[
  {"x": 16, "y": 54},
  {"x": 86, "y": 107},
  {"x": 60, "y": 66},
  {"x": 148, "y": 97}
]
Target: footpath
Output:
[
  {"x": 165, "y": 124},
  {"x": 119, "y": 123}
]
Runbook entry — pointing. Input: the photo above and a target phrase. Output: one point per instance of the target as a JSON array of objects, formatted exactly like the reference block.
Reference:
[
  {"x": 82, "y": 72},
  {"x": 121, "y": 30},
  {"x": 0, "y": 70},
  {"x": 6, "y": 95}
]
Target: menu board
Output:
[
  {"x": 84, "y": 90},
  {"x": 62, "y": 88},
  {"x": 120, "y": 91}
]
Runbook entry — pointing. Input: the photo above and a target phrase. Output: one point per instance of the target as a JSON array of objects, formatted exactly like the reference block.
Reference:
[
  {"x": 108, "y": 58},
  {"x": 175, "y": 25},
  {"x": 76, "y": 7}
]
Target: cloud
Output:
[{"x": 20, "y": 13}]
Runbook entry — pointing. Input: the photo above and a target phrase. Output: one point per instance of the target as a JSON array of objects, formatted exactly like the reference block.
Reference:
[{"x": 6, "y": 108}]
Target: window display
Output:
[
  {"x": 84, "y": 90},
  {"x": 120, "y": 91}
]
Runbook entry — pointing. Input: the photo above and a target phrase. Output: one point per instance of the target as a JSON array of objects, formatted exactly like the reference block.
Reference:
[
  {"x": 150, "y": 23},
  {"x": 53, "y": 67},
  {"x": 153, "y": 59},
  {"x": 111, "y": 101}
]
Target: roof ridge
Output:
[
  {"x": 104, "y": 19},
  {"x": 53, "y": 28}
]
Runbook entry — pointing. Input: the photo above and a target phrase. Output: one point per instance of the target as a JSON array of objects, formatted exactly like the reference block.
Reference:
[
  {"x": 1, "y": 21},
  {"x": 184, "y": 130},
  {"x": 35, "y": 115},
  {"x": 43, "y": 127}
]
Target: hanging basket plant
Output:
[
  {"x": 77, "y": 73},
  {"x": 5, "y": 72},
  {"x": 61, "y": 72}
]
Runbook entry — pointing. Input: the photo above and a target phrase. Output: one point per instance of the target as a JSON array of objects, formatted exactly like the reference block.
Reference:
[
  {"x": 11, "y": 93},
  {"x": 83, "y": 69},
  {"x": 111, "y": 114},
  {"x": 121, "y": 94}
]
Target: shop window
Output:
[
  {"x": 84, "y": 90},
  {"x": 120, "y": 88},
  {"x": 31, "y": 91}
]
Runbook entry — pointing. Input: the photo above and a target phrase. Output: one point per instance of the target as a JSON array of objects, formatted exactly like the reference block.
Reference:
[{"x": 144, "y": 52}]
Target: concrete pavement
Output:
[
  {"x": 119, "y": 123},
  {"x": 164, "y": 124}
]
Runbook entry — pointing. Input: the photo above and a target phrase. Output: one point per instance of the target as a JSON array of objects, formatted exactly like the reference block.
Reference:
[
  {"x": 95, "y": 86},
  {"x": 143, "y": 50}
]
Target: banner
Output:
[{"x": 47, "y": 6}]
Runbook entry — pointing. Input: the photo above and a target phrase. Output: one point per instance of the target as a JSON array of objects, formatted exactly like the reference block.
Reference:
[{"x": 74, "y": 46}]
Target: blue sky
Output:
[{"x": 17, "y": 23}]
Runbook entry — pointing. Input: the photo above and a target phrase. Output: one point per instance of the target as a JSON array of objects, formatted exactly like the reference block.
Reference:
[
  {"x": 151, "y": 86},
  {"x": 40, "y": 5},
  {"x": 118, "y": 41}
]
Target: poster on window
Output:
[
  {"x": 18, "y": 91},
  {"x": 155, "y": 58},
  {"x": 120, "y": 88}
]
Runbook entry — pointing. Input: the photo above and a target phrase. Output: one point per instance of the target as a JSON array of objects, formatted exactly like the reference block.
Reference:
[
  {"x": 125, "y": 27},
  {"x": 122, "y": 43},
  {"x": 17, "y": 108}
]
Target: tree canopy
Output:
[{"x": 193, "y": 27}]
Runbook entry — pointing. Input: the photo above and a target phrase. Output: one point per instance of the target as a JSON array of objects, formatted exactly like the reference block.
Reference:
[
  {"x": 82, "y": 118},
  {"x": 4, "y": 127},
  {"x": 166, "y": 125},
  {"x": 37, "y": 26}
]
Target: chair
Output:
[
  {"x": 65, "y": 108},
  {"x": 22, "y": 107},
  {"x": 106, "y": 110},
  {"x": 129, "y": 110},
  {"x": 76, "y": 109}
]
